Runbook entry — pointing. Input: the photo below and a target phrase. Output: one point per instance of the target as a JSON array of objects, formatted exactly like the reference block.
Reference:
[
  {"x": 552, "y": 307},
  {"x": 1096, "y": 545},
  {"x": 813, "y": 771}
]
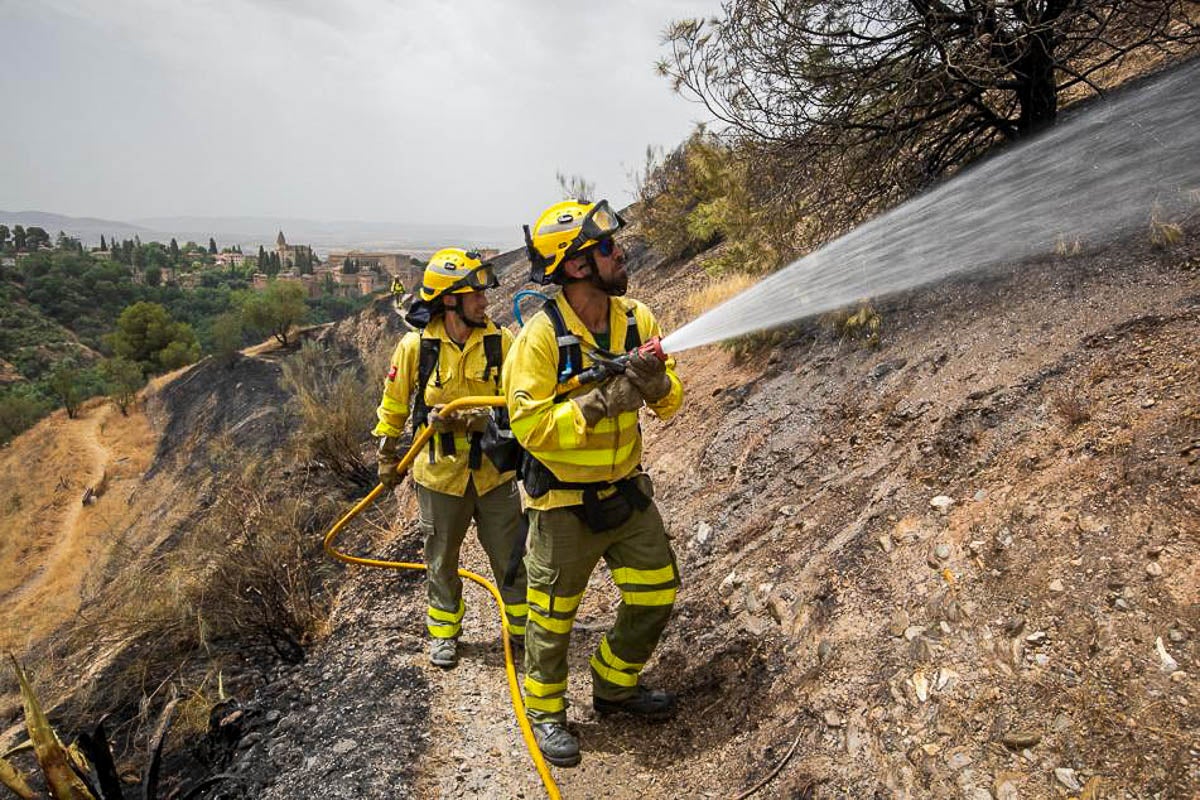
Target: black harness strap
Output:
[
  {"x": 427, "y": 365},
  {"x": 493, "y": 351},
  {"x": 633, "y": 337}
]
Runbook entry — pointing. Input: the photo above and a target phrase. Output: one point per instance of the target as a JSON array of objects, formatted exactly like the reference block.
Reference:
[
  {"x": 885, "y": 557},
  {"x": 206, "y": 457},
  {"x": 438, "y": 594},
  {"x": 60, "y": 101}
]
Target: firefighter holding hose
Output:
[
  {"x": 455, "y": 350},
  {"x": 587, "y": 495}
]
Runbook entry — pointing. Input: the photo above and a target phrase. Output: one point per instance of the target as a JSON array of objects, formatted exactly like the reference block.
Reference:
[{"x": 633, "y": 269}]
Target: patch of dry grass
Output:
[
  {"x": 337, "y": 405},
  {"x": 1072, "y": 406},
  {"x": 1065, "y": 247},
  {"x": 43, "y": 475},
  {"x": 717, "y": 291}
]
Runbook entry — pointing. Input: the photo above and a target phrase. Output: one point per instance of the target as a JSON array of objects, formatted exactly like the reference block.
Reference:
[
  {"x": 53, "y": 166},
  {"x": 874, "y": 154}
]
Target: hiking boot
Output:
[
  {"x": 650, "y": 704},
  {"x": 443, "y": 652},
  {"x": 558, "y": 746}
]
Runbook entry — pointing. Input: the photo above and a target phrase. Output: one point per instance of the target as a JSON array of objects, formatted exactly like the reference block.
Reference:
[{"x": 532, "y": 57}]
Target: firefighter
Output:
[
  {"x": 587, "y": 495},
  {"x": 455, "y": 351}
]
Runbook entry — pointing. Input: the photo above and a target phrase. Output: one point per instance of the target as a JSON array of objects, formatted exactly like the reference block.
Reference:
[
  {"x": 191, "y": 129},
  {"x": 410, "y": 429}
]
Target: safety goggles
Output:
[
  {"x": 600, "y": 223},
  {"x": 478, "y": 279}
]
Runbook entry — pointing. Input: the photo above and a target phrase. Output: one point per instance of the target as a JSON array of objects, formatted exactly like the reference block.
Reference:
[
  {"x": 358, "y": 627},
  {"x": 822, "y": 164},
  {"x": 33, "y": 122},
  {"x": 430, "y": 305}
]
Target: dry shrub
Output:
[
  {"x": 1065, "y": 247},
  {"x": 245, "y": 581},
  {"x": 1165, "y": 234},
  {"x": 862, "y": 324},
  {"x": 337, "y": 401},
  {"x": 751, "y": 344},
  {"x": 1072, "y": 406},
  {"x": 717, "y": 291}
]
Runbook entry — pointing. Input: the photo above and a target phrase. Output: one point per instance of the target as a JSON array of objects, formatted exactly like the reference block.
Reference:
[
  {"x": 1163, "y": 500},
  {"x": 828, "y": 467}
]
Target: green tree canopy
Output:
[
  {"x": 146, "y": 334},
  {"x": 67, "y": 386},
  {"x": 123, "y": 378},
  {"x": 36, "y": 238},
  {"x": 276, "y": 309}
]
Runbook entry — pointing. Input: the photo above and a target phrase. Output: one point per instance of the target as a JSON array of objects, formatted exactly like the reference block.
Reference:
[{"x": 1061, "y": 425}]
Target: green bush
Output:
[
  {"x": 123, "y": 379},
  {"x": 146, "y": 334},
  {"x": 708, "y": 191},
  {"x": 20, "y": 408}
]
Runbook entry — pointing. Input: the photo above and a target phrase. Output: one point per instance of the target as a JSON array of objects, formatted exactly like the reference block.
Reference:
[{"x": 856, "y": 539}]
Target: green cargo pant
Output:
[
  {"x": 562, "y": 552},
  {"x": 444, "y": 522}
]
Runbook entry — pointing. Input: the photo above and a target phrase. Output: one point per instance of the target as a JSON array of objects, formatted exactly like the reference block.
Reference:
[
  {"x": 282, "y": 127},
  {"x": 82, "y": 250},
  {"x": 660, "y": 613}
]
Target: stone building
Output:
[{"x": 290, "y": 255}]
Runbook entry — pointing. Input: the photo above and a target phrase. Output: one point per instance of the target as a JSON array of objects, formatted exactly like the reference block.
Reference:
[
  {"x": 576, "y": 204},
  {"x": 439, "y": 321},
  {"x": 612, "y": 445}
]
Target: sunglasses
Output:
[{"x": 605, "y": 246}]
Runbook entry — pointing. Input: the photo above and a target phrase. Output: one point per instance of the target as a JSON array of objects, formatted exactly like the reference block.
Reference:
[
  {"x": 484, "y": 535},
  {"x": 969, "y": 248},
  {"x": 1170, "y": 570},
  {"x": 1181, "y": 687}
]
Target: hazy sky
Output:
[{"x": 381, "y": 110}]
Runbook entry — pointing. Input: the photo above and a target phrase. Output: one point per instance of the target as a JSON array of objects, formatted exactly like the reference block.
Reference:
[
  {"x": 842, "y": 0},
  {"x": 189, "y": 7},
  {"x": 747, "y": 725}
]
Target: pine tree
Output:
[
  {"x": 174, "y": 248},
  {"x": 103, "y": 245},
  {"x": 212, "y": 246}
]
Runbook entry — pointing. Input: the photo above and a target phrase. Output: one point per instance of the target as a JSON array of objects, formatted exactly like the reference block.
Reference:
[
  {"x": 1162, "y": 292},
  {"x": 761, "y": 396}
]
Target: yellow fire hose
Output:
[{"x": 513, "y": 690}]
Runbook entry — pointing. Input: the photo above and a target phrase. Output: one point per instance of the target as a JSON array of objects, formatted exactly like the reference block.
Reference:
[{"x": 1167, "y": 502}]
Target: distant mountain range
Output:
[{"x": 250, "y": 232}]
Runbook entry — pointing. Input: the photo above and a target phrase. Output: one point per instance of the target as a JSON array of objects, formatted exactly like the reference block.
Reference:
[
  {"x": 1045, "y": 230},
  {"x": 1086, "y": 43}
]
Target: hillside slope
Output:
[{"x": 999, "y": 642}]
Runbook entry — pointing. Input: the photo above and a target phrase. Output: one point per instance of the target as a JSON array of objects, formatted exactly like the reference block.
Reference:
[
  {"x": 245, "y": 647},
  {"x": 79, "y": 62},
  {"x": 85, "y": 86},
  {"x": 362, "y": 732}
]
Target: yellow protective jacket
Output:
[
  {"x": 460, "y": 372},
  {"x": 555, "y": 432}
]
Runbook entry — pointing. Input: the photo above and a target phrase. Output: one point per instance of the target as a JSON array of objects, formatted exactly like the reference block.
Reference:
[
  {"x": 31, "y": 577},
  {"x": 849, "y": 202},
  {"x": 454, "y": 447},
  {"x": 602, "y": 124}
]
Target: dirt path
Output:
[{"x": 62, "y": 541}]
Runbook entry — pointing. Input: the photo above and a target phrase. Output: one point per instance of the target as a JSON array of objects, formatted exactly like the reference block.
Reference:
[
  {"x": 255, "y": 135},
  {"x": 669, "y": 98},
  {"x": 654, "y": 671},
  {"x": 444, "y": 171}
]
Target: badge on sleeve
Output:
[{"x": 392, "y": 373}]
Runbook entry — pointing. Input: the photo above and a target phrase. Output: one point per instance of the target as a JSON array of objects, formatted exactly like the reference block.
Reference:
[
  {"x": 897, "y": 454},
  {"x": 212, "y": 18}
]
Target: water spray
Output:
[{"x": 1092, "y": 179}]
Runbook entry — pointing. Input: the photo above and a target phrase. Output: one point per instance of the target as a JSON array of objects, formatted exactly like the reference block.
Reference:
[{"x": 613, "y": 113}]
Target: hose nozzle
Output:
[{"x": 652, "y": 347}]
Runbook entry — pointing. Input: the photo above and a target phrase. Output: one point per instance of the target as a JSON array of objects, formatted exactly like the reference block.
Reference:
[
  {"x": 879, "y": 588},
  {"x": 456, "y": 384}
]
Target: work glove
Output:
[
  {"x": 476, "y": 420},
  {"x": 648, "y": 374},
  {"x": 388, "y": 458},
  {"x": 614, "y": 396}
]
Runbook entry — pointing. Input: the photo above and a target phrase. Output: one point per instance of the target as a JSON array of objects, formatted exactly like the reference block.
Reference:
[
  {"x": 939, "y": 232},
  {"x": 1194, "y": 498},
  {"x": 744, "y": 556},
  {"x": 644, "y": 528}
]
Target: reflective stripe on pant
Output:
[
  {"x": 562, "y": 553},
  {"x": 444, "y": 522}
]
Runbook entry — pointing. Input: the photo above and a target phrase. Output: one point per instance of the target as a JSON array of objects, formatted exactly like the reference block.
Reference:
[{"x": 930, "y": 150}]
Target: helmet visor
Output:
[
  {"x": 478, "y": 279},
  {"x": 601, "y": 221}
]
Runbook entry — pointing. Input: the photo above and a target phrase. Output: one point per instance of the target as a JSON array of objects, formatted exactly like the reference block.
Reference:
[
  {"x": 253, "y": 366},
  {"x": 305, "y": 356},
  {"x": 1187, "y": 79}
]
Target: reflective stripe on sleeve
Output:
[
  {"x": 393, "y": 406},
  {"x": 564, "y": 425}
]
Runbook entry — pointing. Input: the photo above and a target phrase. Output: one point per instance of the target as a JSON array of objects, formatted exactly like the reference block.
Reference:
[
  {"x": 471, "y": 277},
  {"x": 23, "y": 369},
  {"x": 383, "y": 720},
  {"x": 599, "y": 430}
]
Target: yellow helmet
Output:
[
  {"x": 565, "y": 229},
  {"x": 455, "y": 271}
]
